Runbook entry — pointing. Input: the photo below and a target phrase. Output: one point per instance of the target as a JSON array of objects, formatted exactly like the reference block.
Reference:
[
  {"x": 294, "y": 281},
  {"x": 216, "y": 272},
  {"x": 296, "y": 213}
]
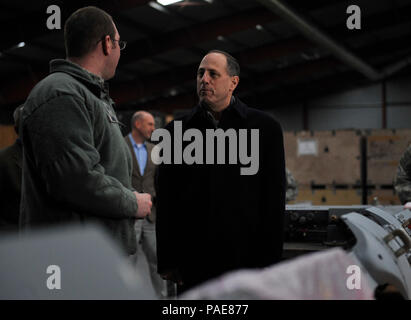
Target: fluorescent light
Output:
[
  {"x": 259, "y": 27},
  {"x": 157, "y": 6},
  {"x": 21, "y": 45},
  {"x": 173, "y": 92},
  {"x": 168, "y": 2}
]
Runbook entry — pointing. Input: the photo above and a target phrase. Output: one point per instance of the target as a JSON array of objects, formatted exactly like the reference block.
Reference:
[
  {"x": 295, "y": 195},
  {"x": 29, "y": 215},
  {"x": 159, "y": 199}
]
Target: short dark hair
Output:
[
  {"x": 84, "y": 28},
  {"x": 233, "y": 67}
]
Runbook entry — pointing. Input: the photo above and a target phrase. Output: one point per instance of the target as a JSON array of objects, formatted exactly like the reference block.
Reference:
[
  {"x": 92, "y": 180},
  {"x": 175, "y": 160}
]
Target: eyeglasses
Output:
[{"x": 122, "y": 44}]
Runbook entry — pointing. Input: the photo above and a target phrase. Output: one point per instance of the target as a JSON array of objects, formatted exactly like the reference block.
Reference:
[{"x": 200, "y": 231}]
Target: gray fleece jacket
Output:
[{"x": 77, "y": 167}]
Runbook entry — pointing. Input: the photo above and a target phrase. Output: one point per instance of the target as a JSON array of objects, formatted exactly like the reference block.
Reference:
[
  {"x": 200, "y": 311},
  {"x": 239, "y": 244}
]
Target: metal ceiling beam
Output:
[
  {"x": 375, "y": 23},
  {"x": 158, "y": 83},
  {"x": 17, "y": 91},
  {"x": 318, "y": 36},
  {"x": 287, "y": 74},
  {"x": 287, "y": 95},
  {"x": 337, "y": 81},
  {"x": 146, "y": 86},
  {"x": 299, "y": 92},
  {"x": 198, "y": 33},
  {"x": 396, "y": 67}
]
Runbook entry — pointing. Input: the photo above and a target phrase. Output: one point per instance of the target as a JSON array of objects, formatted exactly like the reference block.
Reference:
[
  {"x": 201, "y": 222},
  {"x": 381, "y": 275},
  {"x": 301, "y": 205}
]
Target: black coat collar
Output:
[{"x": 236, "y": 108}]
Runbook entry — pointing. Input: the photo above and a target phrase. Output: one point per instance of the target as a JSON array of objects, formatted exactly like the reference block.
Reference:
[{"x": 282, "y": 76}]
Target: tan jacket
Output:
[{"x": 144, "y": 183}]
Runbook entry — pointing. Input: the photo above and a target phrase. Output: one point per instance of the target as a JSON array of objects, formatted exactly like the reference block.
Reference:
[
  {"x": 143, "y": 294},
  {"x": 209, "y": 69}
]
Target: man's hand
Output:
[{"x": 144, "y": 204}]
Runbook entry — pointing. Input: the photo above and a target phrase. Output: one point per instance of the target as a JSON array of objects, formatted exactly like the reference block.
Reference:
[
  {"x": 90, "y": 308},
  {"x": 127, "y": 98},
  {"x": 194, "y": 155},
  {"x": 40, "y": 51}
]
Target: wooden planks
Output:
[
  {"x": 384, "y": 150},
  {"x": 383, "y": 197},
  {"x": 324, "y": 157},
  {"x": 364, "y": 162},
  {"x": 328, "y": 196}
]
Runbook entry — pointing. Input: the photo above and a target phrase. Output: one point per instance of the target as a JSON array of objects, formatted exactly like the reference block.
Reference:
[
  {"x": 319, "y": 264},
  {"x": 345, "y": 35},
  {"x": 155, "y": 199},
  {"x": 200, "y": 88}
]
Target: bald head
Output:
[{"x": 142, "y": 126}]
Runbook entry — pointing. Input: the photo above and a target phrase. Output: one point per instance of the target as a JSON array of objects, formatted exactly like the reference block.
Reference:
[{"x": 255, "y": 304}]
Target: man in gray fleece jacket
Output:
[{"x": 76, "y": 165}]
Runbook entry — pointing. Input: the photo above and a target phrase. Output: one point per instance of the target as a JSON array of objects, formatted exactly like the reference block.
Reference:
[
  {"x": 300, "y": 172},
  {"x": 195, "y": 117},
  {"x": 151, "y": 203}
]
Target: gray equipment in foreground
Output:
[
  {"x": 383, "y": 246},
  {"x": 71, "y": 262},
  {"x": 376, "y": 242}
]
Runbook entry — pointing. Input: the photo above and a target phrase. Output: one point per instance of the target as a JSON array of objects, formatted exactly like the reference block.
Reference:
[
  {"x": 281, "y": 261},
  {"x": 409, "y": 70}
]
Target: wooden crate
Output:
[
  {"x": 324, "y": 157},
  {"x": 384, "y": 150},
  {"x": 383, "y": 197},
  {"x": 7, "y": 136},
  {"x": 332, "y": 197}
]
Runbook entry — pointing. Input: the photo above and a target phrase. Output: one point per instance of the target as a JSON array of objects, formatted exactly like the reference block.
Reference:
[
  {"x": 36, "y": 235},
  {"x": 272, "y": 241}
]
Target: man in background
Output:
[
  {"x": 292, "y": 186},
  {"x": 402, "y": 181},
  {"x": 142, "y": 126}
]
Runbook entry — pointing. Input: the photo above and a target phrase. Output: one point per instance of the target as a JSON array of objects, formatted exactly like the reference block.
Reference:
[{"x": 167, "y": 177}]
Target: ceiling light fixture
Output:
[
  {"x": 259, "y": 27},
  {"x": 159, "y": 7},
  {"x": 21, "y": 44},
  {"x": 168, "y": 2}
]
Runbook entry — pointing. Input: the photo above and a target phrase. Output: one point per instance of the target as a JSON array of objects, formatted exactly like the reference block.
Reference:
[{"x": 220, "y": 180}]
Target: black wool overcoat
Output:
[{"x": 210, "y": 218}]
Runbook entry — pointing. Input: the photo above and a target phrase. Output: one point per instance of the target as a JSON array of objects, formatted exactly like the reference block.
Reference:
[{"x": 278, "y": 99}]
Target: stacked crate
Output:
[
  {"x": 326, "y": 165},
  {"x": 384, "y": 150}
]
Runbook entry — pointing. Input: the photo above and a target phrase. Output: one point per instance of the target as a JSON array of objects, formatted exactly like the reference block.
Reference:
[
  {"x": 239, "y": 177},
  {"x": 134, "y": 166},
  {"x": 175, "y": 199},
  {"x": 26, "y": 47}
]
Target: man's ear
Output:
[
  {"x": 234, "y": 82},
  {"x": 105, "y": 43}
]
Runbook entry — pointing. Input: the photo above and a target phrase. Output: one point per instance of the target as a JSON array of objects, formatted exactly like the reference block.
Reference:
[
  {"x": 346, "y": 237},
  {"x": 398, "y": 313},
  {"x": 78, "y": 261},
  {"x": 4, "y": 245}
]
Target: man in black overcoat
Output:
[{"x": 217, "y": 217}]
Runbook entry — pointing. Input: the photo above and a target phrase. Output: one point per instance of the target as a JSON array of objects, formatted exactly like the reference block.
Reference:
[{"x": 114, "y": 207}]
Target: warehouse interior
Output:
[
  {"x": 351, "y": 80},
  {"x": 341, "y": 95}
]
